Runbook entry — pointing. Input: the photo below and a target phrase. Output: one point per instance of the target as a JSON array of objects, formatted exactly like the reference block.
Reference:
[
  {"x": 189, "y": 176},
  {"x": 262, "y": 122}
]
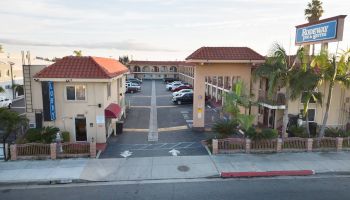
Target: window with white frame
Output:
[
  {"x": 76, "y": 92},
  {"x": 311, "y": 113}
]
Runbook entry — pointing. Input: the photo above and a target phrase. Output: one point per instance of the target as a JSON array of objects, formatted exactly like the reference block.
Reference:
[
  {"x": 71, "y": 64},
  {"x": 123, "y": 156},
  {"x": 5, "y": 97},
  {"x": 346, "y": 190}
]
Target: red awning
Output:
[{"x": 112, "y": 111}]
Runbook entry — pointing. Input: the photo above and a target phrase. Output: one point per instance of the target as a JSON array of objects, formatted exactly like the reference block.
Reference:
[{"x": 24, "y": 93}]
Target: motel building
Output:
[
  {"x": 156, "y": 69},
  {"x": 81, "y": 95}
]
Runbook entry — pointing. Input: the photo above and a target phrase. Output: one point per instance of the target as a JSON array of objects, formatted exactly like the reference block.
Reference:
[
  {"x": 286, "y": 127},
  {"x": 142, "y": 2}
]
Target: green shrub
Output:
[
  {"x": 298, "y": 131},
  {"x": 225, "y": 127},
  {"x": 48, "y": 134},
  {"x": 33, "y": 135},
  {"x": 262, "y": 134},
  {"x": 66, "y": 136},
  {"x": 336, "y": 132}
]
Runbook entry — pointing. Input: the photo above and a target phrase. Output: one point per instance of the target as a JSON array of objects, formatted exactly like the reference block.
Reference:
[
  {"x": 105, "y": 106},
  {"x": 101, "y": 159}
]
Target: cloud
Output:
[{"x": 121, "y": 45}]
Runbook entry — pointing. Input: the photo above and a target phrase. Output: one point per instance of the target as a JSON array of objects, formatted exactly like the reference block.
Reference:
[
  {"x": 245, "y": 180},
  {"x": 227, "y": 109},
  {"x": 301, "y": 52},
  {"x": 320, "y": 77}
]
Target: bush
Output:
[
  {"x": 49, "y": 134},
  {"x": 336, "y": 132},
  {"x": 33, "y": 135},
  {"x": 225, "y": 127},
  {"x": 262, "y": 134},
  {"x": 66, "y": 136},
  {"x": 298, "y": 131}
]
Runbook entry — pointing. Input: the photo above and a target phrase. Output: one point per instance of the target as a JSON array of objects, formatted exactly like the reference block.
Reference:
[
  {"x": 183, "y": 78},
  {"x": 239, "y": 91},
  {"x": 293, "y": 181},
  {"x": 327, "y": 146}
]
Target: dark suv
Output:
[{"x": 184, "y": 98}]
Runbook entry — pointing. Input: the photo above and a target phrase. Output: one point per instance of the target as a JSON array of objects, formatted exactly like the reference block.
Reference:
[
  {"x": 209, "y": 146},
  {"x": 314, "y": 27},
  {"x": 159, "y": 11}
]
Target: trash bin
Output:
[{"x": 119, "y": 127}]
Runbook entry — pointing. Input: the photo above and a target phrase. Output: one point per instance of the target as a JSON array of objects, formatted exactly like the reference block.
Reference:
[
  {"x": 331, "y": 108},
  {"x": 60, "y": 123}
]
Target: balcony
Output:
[{"x": 277, "y": 101}]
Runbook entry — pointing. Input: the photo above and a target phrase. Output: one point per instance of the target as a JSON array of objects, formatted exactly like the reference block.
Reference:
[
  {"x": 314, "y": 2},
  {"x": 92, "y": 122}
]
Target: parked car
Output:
[
  {"x": 173, "y": 84},
  {"x": 182, "y": 91},
  {"x": 169, "y": 80},
  {"x": 134, "y": 80},
  {"x": 5, "y": 102},
  {"x": 183, "y": 98},
  {"x": 181, "y": 87},
  {"x": 132, "y": 87}
]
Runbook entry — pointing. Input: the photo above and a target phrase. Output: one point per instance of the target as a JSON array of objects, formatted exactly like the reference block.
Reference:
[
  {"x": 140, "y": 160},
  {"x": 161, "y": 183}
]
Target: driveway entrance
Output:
[{"x": 154, "y": 126}]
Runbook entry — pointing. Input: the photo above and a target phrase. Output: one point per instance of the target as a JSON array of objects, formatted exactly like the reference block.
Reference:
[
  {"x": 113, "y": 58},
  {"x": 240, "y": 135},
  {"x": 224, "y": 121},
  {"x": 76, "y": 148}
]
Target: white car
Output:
[
  {"x": 182, "y": 91},
  {"x": 172, "y": 85},
  {"x": 133, "y": 85},
  {"x": 5, "y": 102}
]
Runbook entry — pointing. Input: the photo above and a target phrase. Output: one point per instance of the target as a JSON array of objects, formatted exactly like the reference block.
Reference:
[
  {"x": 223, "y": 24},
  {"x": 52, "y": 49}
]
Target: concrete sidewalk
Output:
[{"x": 155, "y": 168}]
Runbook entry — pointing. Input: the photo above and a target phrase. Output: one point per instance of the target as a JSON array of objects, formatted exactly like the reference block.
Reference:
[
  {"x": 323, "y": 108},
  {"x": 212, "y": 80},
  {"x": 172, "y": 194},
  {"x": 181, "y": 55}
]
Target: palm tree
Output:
[
  {"x": 124, "y": 59},
  {"x": 313, "y": 13},
  {"x": 307, "y": 89},
  {"x": 278, "y": 69},
  {"x": 77, "y": 53},
  {"x": 235, "y": 98},
  {"x": 332, "y": 71}
]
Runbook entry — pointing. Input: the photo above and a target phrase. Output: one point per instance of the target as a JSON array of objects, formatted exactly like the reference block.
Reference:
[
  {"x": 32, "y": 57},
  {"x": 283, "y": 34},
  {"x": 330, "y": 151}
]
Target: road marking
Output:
[
  {"x": 166, "y": 106},
  {"x": 153, "y": 124},
  {"x": 18, "y": 107},
  {"x": 161, "y": 146},
  {"x": 135, "y": 130},
  {"x": 164, "y": 96},
  {"x": 140, "y": 106},
  {"x": 126, "y": 153},
  {"x": 174, "y": 152},
  {"x": 184, "y": 112},
  {"x": 141, "y": 96},
  {"x": 175, "y": 128}
]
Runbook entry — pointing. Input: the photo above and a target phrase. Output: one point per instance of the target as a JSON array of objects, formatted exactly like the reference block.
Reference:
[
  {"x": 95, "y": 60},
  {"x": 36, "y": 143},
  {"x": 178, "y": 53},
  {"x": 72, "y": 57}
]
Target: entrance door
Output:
[
  {"x": 266, "y": 117},
  {"x": 80, "y": 129},
  {"x": 38, "y": 120}
]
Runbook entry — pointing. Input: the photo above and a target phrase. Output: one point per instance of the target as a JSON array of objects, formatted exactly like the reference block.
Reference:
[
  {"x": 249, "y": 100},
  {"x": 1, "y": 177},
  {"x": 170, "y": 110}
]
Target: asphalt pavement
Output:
[
  {"x": 172, "y": 126},
  {"x": 321, "y": 188},
  {"x": 18, "y": 106}
]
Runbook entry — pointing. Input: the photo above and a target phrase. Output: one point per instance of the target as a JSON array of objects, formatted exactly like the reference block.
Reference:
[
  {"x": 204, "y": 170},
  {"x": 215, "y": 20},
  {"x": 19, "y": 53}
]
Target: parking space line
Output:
[
  {"x": 135, "y": 130},
  {"x": 140, "y": 106},
  {"x": 18, "y": 107},
  {"x": 174, "y": 128},
  {"x": 167, "y": 106},
  {"x": 153, "y": 121},
  {"x": 145, "y": 147}
]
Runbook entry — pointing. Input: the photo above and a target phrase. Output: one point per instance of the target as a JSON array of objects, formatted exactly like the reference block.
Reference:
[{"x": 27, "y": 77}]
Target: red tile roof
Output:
[
  {"x": 225, "y": 53},
  {"x": 83, "y": 67},
  {"x": 146, "y": 62}
]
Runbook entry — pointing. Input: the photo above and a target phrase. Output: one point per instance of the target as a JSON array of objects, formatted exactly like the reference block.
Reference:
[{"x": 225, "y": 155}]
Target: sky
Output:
[{"x": 154, "y": 29}]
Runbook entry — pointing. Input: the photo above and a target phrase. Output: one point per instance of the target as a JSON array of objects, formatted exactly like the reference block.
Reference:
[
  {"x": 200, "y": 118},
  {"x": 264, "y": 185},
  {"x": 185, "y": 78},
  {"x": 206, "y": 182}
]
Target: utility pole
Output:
[{"x": 12, "y": 82}]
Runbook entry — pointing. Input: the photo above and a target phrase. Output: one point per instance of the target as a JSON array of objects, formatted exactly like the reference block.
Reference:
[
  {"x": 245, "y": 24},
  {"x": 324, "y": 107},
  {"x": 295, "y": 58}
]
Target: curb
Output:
[{"x": 267, "y": 173}]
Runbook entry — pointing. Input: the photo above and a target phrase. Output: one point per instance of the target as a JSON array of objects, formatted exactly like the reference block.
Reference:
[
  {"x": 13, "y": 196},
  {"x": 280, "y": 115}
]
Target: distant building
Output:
[
  {"x": 81, "y": 95},
  {"x": 155, "y": 69}
]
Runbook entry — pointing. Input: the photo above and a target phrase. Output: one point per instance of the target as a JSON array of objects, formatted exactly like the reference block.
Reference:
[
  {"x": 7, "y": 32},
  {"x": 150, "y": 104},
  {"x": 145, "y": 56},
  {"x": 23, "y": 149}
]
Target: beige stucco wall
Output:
[
  {"x": 67, "y": 111},
  {"x": 337, "y": 114},
  {"x": 214, "y": 69}
]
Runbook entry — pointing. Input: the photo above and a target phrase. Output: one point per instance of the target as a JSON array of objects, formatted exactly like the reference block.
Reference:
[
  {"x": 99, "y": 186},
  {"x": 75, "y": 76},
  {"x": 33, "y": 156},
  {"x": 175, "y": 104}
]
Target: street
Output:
[{"x": 331, "y": 187}]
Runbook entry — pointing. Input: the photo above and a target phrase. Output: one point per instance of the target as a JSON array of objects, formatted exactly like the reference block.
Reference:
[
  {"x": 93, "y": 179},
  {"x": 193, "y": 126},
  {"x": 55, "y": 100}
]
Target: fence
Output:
[
  {"x": 236, "y": 145},
  {"x": 52, "y": 151}
]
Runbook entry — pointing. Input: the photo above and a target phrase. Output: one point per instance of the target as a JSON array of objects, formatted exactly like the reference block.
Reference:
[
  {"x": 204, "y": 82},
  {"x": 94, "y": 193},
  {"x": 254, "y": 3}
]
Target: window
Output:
[
  {"x": 76, "y": 93},
  {"x": 311, "y": 113},
  {"x": 312, "y": 100},
  {"x": 108, "y": 90}
]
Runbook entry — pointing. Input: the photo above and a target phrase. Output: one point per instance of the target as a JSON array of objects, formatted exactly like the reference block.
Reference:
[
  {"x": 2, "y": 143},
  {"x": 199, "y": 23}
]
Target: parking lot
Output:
[{"x": 154, "y": 126}]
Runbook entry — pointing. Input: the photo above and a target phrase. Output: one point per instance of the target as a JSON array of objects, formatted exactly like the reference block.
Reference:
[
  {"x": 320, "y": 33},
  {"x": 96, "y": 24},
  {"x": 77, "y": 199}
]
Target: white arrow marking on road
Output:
[
  {"x": 174, "y": 152},
  {"x": 126, "y": 153}
]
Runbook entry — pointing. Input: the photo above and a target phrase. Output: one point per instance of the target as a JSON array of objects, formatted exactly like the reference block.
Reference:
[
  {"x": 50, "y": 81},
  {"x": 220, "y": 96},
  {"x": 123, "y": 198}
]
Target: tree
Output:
[
  {"x": 332, "y": 71},
  {"x": 2, "y": 89},
  {"x": 77, "y": 53},
  {"x": 278, "y": 69},
  {"x": 235, "y": 98},
  {"x": 10, "y": 122},
  {"x": 313, "y": 13},
  {"x": 124, "y": 59},
  {"x": 306, "y": 89}
]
